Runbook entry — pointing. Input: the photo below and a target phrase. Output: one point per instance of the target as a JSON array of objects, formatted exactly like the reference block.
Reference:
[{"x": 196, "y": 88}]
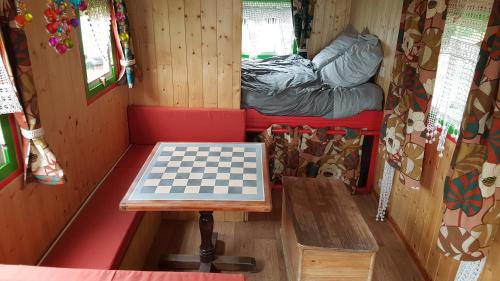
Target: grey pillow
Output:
[
  {"x": 356, "y": 65},
  {"x": 336, "y": 48}
]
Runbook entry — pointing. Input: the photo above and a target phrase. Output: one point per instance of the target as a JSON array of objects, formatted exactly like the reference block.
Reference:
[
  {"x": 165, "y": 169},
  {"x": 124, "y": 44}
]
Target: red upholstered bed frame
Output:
[{"x": 370, "y": 121}]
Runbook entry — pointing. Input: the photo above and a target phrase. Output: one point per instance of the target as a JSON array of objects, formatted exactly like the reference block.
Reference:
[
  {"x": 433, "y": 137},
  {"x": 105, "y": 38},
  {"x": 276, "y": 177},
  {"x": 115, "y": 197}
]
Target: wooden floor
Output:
[{"x": 259, "y": 237}]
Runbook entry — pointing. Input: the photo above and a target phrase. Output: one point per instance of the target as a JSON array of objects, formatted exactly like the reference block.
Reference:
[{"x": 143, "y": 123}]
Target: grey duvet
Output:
[{"x": 289, "y": 85}]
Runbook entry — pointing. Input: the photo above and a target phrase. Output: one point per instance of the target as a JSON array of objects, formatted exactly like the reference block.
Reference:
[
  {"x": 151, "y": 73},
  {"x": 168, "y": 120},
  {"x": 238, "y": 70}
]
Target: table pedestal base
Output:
[
  {"x": 207, "y": 261},
  {"x": 222, "y": 263}
]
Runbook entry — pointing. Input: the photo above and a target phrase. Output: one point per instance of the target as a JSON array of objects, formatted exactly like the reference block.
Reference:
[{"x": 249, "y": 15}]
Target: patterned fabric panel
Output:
[
  {"x": 303, "y": 14},
  {"x": 407, "y": 105},
  {"x": 307, "y": 152},
  {"x": 472, "y": 187}
]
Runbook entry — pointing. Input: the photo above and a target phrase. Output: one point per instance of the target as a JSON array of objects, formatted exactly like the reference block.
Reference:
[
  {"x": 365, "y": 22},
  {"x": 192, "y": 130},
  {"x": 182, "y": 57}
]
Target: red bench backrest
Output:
[{"x": 150, "y": 124}]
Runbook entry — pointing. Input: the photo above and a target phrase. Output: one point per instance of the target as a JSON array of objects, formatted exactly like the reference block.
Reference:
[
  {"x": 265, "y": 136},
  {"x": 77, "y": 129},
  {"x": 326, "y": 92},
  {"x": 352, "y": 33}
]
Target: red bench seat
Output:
[
  {"x": 99, "y": 236},
  {"x": 35, "y": 273}
]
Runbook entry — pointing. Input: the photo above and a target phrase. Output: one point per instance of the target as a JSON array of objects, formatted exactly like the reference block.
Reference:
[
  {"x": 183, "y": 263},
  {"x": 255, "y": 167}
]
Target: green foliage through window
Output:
[{"x": 8, "y": 160}]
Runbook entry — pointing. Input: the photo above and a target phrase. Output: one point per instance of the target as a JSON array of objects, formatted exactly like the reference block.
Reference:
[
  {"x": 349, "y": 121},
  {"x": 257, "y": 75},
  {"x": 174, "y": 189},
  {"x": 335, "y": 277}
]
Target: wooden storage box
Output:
[{"x": 323, "y": 233}]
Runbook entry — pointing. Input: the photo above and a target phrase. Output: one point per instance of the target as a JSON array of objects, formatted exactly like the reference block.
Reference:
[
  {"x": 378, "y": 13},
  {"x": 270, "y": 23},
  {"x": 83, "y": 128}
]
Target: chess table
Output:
[{"x": 203, "y": 177}]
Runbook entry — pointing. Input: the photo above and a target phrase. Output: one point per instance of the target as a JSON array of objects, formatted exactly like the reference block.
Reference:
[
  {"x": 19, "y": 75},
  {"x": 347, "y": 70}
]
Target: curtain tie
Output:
[
  {"x": 126, "y": 63},
  {"x": 32, "y": 134}
]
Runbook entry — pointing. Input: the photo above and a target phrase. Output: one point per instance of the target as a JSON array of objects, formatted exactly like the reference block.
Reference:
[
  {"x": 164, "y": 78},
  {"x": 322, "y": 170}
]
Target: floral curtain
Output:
[
  {"x": 403, "y": 134},
  {"x": 472, "y": 187},
  {"x": 39, "y": 161},
  {"x": 303, "y": 13},
  {"x": 122, "y": 33},
  {"x": 410, "y": 92},
  {"x": 306, "y": 152}
]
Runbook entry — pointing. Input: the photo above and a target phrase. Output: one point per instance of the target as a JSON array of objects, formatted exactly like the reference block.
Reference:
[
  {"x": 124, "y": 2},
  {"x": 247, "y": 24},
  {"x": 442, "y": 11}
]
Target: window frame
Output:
[
  {"x": 12, "y": 169},
  {"x": 96, "y": 88}
]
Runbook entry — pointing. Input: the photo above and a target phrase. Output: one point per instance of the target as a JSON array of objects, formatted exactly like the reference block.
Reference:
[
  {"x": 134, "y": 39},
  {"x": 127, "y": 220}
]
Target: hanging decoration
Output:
[
  {"x": 470, "y": 270},
  {"x": 385, "y": 191},
  {"x": 61, "y": 16},
  {"x": 23, "y": 16},
  {"x": 121, "y": 27},
  {"x": 472, "y": 187}
]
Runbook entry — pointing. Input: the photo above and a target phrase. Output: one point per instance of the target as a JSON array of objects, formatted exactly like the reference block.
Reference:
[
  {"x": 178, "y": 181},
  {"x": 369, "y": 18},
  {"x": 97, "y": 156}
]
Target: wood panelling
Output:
[
  {"x": 382, "y": 19},
  {"x": 188, "y": 52},
  {"x": 87, "y": 140},
  {"x": 330, "y": 18},
  {"x": 415, "y": 213},
  {"x": 139, "y": 247}
]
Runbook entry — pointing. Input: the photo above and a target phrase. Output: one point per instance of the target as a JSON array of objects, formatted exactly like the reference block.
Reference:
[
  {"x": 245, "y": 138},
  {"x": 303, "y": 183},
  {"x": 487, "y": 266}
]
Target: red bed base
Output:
[{"x": 370, "y": 121}]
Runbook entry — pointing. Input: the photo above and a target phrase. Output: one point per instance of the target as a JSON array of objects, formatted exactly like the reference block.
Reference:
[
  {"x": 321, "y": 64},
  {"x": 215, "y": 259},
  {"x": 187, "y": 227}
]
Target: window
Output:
[
  {"x": 267, "y": 28},
  {"x": 8, "y": 160},
  {"x": 463, "y": 33},
  {"x": 97, "y": 47}
]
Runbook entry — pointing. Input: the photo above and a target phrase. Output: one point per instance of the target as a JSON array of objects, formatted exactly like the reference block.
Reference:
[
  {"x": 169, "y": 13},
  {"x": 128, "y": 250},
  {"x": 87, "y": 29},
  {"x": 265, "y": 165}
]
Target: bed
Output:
[
  {"x": 290, "y": 86},
  {"x": 332, "y": 90},
  {"x": 334, "y": 84}
]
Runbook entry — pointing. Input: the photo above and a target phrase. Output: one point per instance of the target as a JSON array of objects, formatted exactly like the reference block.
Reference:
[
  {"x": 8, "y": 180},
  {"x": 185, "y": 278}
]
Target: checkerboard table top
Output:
[{"x": 202, "y": 176}]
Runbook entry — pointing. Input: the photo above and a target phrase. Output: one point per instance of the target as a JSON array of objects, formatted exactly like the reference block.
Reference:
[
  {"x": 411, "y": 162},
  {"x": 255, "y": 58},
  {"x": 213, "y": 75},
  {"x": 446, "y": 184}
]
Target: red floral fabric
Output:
[{"x": 472, "y": 187}]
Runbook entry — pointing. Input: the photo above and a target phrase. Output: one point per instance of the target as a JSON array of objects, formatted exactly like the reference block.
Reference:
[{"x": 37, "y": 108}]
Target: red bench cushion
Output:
[
  {"x": 135, "y": 157},
  {"x": 100, "y": 235},
  {"x": 151, "y": 124},
  {"x": 35, "y": 273},
  {"x": 175, "y": 276}
]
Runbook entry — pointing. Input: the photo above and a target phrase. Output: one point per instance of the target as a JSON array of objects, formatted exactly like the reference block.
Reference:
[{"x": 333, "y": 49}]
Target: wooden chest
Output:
[{"x": 323, "y": 233}]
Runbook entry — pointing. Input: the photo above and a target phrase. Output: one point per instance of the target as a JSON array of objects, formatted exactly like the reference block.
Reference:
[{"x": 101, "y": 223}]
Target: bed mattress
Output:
[{"x": 289, "y": 86}]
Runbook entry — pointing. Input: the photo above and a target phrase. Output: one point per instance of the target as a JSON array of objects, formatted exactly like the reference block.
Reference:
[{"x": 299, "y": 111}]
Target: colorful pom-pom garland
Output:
[
  {"x": 61, "y": 16},
  {"x": 23, "y": 16}
]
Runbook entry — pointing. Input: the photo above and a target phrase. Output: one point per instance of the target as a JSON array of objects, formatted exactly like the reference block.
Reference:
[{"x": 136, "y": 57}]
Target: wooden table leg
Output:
[
  {"x": 207, "y": 261},
  {"x": 207, "y": 247}
]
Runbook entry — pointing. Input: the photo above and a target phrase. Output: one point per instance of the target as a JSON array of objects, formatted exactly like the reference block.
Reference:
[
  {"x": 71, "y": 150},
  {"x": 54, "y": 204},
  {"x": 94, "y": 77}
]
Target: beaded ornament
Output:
[
  {"x": 61, "y": 16},
  {"x": 23, "y": 16}
]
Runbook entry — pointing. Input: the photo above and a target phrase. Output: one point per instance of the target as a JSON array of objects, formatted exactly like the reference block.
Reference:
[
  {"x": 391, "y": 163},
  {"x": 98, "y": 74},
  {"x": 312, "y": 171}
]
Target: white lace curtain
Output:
[
  {"x": 267, "y": 28},
  {"x": 463, "y": 33},
  {"x": 96, "y": 34},
  {"x": 9, "y": 103}
]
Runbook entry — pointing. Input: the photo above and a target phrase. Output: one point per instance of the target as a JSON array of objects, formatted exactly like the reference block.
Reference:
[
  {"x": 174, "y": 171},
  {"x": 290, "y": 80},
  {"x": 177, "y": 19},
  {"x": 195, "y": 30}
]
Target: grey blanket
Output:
[{"x": 288, "y": 85}]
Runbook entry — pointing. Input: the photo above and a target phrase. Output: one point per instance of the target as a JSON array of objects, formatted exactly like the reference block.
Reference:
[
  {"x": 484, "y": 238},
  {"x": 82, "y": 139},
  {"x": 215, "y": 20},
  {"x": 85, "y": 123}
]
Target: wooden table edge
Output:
[{"x": 177, "y": 206}]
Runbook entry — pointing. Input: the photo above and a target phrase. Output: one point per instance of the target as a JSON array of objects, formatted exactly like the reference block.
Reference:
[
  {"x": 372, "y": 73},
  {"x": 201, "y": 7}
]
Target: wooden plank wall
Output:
[
  {"x": 416, "y": 214},
  {"x": 188, "y": 52},
  {"x": 330, "y": 18},
  {"x": 87, "y": 140},
  {"x": 366, "y": 14}
]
